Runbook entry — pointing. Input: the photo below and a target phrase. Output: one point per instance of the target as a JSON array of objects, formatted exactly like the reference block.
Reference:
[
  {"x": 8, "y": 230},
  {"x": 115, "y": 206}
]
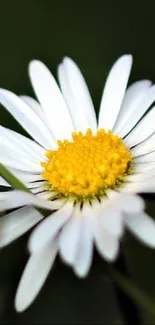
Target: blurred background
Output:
[{"x": 94, "y": 34}]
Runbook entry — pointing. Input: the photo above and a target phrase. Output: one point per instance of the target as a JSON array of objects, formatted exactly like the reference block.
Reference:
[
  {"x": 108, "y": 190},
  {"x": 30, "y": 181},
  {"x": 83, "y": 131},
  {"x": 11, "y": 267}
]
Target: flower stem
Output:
[{"x": 129, "y": 309}]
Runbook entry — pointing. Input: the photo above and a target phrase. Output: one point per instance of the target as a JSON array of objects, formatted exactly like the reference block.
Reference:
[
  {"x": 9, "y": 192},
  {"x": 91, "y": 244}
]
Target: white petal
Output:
[
  {"x": 111, "y": 220},
  {"x": 47, "y": 230},
  {"x": 24, "y": 177},
  {"x": 38, "y": 184},
  {"x": 70, "y": 236},
  {"x": 37, "y": 109},
  {"x": 143, "y": 167},
  {"x": 29, "y": 146},
  {"x": 15, "y": 224},
  {"x": 140, "y": 110},
  {"x": 129, "y": 203},
  {"x": 28, "y": 185},
  {"x": 106, "y": 244},
  {"x": 142, "y": 226},
  {"x": 13, "y": 150},
  {"x": 47, "y": 195},
  {"x": 145, "y": 147},
  {"x": 24, "y": 164},
  {"x": 146, "y": 186},
  {"x": 37, "y": 190},
  {"x": 143, "y": 130},
  {"x": 150, "y": 157},
  {"x": 27, "y": 118},
  {"x": 114, "y": 92},
  {"x": 34, "y": 105},
  {"x": 78, "y": 117},
  {"x": 84, "y": 254},
  {"x": 14, "y": 199},
  {"x": 132, "y": 98},
  {"x": 140, "y": 177},
  {"x": 34, "y": 276},
  {"x": 51, "y": 100},
  {"x": 77, "y": 95}
]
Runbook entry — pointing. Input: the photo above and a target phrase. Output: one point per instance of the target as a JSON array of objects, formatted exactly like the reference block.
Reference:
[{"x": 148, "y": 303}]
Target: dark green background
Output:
[{"x": 94, "y": 34}]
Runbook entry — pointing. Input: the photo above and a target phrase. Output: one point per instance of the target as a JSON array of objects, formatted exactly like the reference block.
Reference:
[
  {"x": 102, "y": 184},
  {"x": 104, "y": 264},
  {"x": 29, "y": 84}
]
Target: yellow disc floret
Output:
[{"x": 88, "y": 165}]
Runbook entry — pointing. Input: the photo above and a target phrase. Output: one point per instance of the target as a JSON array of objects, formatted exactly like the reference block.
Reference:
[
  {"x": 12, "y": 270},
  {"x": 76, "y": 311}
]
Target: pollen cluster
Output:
[{"x": 88, "y": 165}]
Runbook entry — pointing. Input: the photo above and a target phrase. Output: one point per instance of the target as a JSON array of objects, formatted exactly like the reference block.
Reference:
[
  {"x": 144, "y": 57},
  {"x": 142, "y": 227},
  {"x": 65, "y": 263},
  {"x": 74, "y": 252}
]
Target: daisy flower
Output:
[{"x": 87, "y": 172}]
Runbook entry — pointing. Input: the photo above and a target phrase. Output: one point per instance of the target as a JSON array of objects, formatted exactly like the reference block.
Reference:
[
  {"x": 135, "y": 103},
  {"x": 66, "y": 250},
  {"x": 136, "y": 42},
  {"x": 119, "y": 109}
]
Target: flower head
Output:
[{"x": 87, "y": 172}]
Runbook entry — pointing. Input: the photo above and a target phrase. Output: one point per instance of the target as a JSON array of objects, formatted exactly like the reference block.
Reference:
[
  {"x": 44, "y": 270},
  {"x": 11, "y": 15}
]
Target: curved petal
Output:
[
  {"x": 140, "y": 110},
  {"x": 143, "y": 130},
  {"x": 34, "y": 276},
  {"x": 29, "y": 184},
  {"x": 70, "y": 236},
  {"x": 13, "y": 150},
  {"x": 143, "y": 167},
  {"x": 24, "y": 177},
  {"x": 145, "y": 186},
  {"x": 37, "y": 109},
  {"x": 133, "y": 96},
  {"x": 14, "y": 199},
  {"x": 23, "y": 165},
  {"x": 106, "y": 244},
  {"x": 144, "y": 147},
  {"x": 111, "y": 220},
  {"x": 29, "y": 146},
  {"x": 27, "y": 118},
  {"x": 126, "y": 202},
  {"x": 142, "y": 226},
  {"x": 84, "y": 253},
  {"x": 16, "y": 223},
  {"x": 50, "y": 227},
  {"x": 52, "y": 101},
  {"x": 77, "y": 95},
  {"x": 114, "y": 91},
  {"x": 35, "y": 106},
  {"x": 140, "y": 177},
  {"x": 150, "y": 157}
]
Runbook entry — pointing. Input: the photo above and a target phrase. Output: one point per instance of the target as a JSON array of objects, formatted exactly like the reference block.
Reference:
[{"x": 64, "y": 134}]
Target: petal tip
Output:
[
  {"x": 18, "y": 304},
  {"x": 127, "y": 58},
  {"x": 33, "y": 64}
]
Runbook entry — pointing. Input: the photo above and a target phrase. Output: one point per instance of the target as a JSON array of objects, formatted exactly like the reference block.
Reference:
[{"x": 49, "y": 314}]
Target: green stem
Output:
[
  {"x": 12, "y": 180},
  {"x": 129, "y": 296}
]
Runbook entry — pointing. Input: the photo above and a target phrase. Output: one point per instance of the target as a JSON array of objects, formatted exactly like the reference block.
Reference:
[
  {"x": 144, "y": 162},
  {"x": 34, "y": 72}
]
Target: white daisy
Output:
[{"x": 89, "y": 177}]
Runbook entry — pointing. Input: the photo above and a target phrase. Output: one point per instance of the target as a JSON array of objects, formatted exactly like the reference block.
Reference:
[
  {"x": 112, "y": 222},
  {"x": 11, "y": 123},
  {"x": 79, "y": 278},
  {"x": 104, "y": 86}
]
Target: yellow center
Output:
[{"x": 88, "y": 165}]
